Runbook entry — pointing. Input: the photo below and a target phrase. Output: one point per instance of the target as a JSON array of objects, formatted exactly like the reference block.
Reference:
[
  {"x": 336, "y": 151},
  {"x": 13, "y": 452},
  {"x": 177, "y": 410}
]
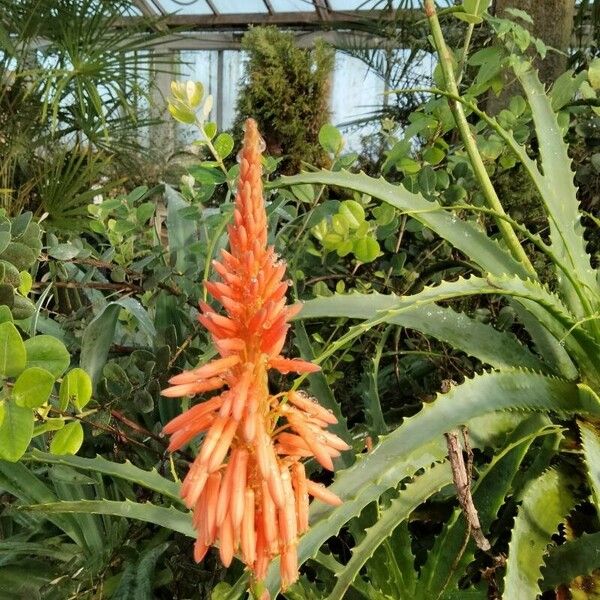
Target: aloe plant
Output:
[{"x": 562, "y": 322}]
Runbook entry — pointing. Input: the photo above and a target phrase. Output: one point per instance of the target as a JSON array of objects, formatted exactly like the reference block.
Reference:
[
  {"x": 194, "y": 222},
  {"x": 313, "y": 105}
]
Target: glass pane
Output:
[
  {"x": 292, "y": 5},
  {"x": 240, "y": 6},
  {"x": 357, "y": 92},
  {"x": 186, "y": 7},
  {"x": 353, "y": 4},
  {"x": 233, "y": 71}
]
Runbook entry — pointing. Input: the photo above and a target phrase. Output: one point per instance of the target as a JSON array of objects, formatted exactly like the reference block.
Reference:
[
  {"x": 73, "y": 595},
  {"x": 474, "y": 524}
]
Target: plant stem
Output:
[
  {"x": 465, "y": 53},
  {"x": 510, "y": 237}
]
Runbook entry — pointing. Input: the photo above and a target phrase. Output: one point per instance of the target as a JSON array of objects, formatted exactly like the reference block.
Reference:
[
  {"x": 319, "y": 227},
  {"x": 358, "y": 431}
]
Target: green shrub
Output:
[{"x": 286, "y": 90}]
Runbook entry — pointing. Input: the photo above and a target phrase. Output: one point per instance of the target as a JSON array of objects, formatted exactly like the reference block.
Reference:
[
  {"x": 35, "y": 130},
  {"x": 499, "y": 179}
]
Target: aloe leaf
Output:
[
  {"x": 572, "y": 559},
  {"x": 375, "y": 420},
  {"x": 61, "y": 552},
  {"x": 546, "y": 503},
  {"x": 145, "y": 570},
  {"x": 557, "y": 190},
  {"x": 590, "y": 440},
  {"x": 439, "y": 576},
  {"x": 419, "y": 441},
  {"x": 464, "y": 236},
  {"x": 423, "y": 487},
  {"x": 496, "y": 348},
  {"x": 546, "y": 306},
  {"x": 171, "y": 518},
  {"x": 148, "y": 479},
  {"x": 91, "y": 526},
  {"x": 18, "y": 480},
  {"x": 550, "y": 348}
]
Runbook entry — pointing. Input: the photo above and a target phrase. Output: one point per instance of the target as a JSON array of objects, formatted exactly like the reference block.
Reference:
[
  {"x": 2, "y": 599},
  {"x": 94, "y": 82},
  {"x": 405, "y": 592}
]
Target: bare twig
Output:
[
  {"x": 92, "y": 285},
  {"x": 462, "y": 481}
]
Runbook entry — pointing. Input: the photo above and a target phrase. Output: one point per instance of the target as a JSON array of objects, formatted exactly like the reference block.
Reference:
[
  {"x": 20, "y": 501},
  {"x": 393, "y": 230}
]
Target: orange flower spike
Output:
[{"x": 248, "y": 490}]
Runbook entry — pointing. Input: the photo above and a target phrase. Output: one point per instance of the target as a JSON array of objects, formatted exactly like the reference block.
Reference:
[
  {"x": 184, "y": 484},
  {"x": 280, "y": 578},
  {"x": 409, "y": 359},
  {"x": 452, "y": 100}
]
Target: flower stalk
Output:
[{"x": 248, "y": 487}]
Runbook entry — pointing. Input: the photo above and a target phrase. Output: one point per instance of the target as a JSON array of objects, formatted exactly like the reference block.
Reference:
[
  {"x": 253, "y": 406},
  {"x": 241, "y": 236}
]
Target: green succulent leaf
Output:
[
  {"x": 493, "y": 347},
  {"x": 24, "y": 484},
  {"x": 463, "y": 235},
  {"x": 439, "y": 576},
  {"x": 170, "y": 518},
  {"x": 148, "y": 479},
  {"x": 546, "y": 503},
  {"x": 558, "y": 192},
  {"x": 570, "y": 560},
  {"x": 400, "y": 508},
  {"x": 590, "y": 440}
]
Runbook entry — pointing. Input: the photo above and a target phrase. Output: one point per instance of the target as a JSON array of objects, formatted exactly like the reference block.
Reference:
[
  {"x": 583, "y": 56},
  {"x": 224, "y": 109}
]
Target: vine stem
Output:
[{"x": 508, "y": 233}]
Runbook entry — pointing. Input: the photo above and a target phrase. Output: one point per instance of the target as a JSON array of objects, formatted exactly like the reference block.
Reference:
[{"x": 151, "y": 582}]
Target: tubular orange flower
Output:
[{"x": 247, "y": 487}]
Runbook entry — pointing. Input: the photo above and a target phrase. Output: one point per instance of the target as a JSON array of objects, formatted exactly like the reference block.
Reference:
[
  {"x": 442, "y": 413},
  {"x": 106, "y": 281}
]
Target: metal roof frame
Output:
[{"x": 322, "y": 14}]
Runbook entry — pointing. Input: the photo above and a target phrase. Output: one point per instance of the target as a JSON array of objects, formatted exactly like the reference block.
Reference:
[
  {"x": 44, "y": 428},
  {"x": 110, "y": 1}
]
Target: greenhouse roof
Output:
[{"x": 211, "y": 14}]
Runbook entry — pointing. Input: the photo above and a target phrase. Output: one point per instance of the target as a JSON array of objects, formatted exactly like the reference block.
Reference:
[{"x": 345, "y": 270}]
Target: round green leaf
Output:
[
  {"x": 408, "y": 166},
  {"x": 19, "y": 255},
  {"x": 67, "y": 440},
  {"x": 332, "y": 240},
  {"x": 353, "y": 212},
  {"x": 5, "y": 238},
  {"x": 304, "y": 192},
  {"x": 594, "y": 73},
  {"x": 384, "y": 214},
  {"x": 76, "y": 387},
  {"x": 181, "y": 112},
  {"x": 331, "y": 139},
  {"x": 223, "y": 145},
  {"x": 16, "y": 431},
  {"x": 339, "y": 224},
  {"x": 5, "y": 314},
  {"x": 22, "y": 308},
  {"x": 48, "y": 353},
  {"x": 210, "y": 129},
  {"x": 194, "y": 91},
  {"x": 26, "y": 283},
  {"x": 344, "y": 248},
  {"x": 63, "y": 251},
  {"x": 12, "y": 351},
  {"x": 33, "y": 387},
  {"x": 434, "y": 155},
  {"x": 366, "y": 249},
  {"x": 427, "y": 180}
]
